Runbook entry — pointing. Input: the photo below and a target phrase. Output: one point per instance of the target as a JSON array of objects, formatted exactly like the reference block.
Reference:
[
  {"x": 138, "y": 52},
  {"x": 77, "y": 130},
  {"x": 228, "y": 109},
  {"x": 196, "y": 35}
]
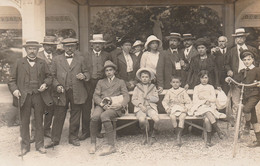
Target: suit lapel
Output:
[
  {"x": 64, "y": 63},
  {"x": 26, "y": 65},
  {"x": 75, "y": 61},
  {"x": 38, "y": 64},
  {"x": 122, "y": 58}
]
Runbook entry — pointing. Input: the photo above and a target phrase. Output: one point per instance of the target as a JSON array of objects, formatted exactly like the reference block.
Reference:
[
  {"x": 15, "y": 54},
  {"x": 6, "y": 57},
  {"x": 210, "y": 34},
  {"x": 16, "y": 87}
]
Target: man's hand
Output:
[
  {"x": 160, "y": 90},
  {"x": 43, "y": 87},
  {"x": 60, "y": 89},
  {"x": 80, "y": 76},
  {"x": 17, "y": 94},
  {"x": 186, "y": 87},
  {"x": 230, "y": 73}
]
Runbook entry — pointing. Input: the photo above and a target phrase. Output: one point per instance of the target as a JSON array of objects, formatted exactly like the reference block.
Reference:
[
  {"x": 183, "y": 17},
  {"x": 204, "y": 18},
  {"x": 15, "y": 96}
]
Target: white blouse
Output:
[{"x": 149, "y": 60}]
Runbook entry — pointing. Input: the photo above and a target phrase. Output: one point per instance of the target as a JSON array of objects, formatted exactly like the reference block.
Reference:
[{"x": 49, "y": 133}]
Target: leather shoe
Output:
[
  {"x": 254, "y": 144},
  {"x": 74, "y": 142},
  {"x": 83, "y": 136},
  {"x": 32, "y": 139},
  {"x": 108, "y": 150},
  {"x": 47, "y": 134},
  {"x": 41, "y": 150},
  {"x": 24, "y": 152},
  {"x": 92, "y": 148},
  {"x": 51, "y": 145},
  {"x": 100, "y": 135}
]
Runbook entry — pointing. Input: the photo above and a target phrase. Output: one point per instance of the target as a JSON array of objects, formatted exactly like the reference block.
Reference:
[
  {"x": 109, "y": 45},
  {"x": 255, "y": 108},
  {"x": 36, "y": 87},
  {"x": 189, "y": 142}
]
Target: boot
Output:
[
  {"x": 179, "y": 134},
  {"x": 92, "y": 148},
  {"x": 246, "y": 130},
  {"x": 152, "y": 137},
  {"x": 220, "y": 133},
  {"x": 109, "y": 133},
  {"x": 209, "y": 135},
  {"x": 255, "y": 143},
  {"x": 145, "y": 131}
]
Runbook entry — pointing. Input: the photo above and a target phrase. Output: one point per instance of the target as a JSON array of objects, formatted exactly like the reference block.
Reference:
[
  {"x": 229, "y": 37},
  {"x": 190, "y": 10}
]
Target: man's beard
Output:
[{"x": 31, "y": 56}]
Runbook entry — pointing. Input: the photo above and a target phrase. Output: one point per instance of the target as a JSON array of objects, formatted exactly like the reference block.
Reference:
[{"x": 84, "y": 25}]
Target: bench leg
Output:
[
  {"x": 114, "y": 128},
  {"x": 205, "y": 135}
]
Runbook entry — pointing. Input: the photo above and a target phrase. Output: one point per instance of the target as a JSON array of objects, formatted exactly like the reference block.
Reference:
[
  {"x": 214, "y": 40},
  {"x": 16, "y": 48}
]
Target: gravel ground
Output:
[{"x": 131, "y": 152}]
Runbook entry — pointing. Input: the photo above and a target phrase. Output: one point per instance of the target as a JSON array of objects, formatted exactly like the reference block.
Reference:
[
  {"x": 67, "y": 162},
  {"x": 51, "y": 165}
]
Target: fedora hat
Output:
[
  {"x": 150, "y": 39},
  {"x": 97, "y": 38},
  {"x": 51, "y": 40},
  {"x": 109, "y": 63},
  {"x": 138, "y": 73},
  {"x": 174, "y": 35},
  {"x": 32, "y": 43},
  {"x": 69, "y": 41},
  {"x": 138, "y": 43},
  {"x": 187, "y": 36},
  {"x": 202, "y": 41},
  {"x": 240, "y": 32}
]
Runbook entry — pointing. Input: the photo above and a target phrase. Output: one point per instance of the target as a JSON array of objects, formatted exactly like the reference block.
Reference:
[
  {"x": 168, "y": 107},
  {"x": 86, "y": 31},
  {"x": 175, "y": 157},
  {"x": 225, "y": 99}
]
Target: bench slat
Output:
[{"x": 161, "y": 116}]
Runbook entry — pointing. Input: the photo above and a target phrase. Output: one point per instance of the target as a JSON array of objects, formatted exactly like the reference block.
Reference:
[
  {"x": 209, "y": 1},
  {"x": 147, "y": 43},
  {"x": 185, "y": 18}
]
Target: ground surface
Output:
[{"x": 129, "y": 149}]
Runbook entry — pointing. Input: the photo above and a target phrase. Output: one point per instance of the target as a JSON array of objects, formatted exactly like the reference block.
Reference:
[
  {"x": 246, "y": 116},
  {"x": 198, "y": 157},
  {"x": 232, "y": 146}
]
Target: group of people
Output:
[{"x": 48, "y": 84}]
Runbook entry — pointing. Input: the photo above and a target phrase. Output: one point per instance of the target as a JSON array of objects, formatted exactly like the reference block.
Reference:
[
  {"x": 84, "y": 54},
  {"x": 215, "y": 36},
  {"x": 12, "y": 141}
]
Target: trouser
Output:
[
  {"x": 32, "y": 101},
  {"x": 209, "y": 119},
  {"x": 49, "y": 111},
  {"x": 86, "y": 112},
  {"x": 105, "y": 116},
  {"x": 181, "y": 120},
  {"x": 60, "y": 115}
]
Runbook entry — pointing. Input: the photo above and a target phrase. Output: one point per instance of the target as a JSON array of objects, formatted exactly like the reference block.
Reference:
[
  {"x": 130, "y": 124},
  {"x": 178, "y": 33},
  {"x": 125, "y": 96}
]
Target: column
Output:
[
  {"x": 229, "y": 22},
  {"x": 84, "y": 19}
]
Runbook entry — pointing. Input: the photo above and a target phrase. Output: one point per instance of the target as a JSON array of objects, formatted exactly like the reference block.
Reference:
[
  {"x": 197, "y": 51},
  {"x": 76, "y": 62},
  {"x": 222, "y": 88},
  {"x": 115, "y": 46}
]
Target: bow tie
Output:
[{"x": 31, "y": 60}]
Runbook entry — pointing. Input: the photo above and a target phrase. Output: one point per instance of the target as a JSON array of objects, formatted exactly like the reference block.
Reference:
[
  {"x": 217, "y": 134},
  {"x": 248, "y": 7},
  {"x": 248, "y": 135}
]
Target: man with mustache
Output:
[{"x": 29, "y": 79}]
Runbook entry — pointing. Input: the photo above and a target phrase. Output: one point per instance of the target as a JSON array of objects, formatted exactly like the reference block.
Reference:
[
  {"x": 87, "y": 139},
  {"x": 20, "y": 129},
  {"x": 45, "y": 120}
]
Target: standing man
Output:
[
  {"x": 236, "y": 65},
  {"x": 29, "y": 79},
  {"x": 170, "y": 64},
  {"x": 47, "y": 54},
  {"x": 69, "y": 76},
  {"x": 187, "y": 53},
  {"x": 108, "y": 88},
  {"x": 222, "y": 59},
  {"x": 95, "y": 60}
]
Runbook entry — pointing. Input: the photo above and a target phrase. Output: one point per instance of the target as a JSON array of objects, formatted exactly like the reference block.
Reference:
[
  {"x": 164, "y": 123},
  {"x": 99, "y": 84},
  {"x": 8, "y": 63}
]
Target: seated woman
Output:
[
  {"x": 204, "y": 104},
  {"x": 204, "y": 61}
]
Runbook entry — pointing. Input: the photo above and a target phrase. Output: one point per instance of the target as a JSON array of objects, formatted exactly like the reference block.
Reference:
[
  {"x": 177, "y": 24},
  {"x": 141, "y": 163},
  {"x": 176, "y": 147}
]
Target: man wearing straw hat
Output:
[
  {"x": 236, "y": 65},
  {"x": 95, "y": 60},
  {"x": 29, "y": 79}
]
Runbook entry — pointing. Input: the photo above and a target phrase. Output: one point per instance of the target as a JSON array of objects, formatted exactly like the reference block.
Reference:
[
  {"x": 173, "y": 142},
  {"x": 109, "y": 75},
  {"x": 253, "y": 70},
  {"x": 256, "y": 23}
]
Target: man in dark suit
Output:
[
  {"x": 170, "y": 64},
  {"x": 221, "y": 58},
  {"x": 236, "y": 65},
  {"x": 29, "y": 79},
  {"x": 187, "y": 54},
  {"x": 69, "y": 76},
  {"x": 127, "y": 63},
  {"x": 95, "y": 61},
  {"x": 106, "y": 108}
]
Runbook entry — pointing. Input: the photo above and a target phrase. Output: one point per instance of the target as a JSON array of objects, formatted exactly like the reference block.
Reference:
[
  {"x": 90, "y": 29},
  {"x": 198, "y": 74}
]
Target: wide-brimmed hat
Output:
[
  {"x": 97, "y": 38},
  {"x": 202, "y": 41},
  {"x": 32, "y": 43},
  {"x": 245, "y": 53},
  {"x": 51, "y": 40},
  {"x": 69, "y": 41},
  {"x": 173, "y": 35},
  {"x": 138, "y": 43},
  {"x": 109, "y": 63},
  {"x": 188, "y": 36},
  {"x": 240, "y": 32},
  {"x": 138, "y": 73},
  {"x": 150, "y": 39}
]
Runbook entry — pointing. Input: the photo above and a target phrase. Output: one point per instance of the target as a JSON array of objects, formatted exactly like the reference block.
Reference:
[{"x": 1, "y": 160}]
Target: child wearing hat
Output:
[
  {"x": 145, "y": 97},
  {"x": 176, "y": 103},
  {"x": 251, "y": 95}
]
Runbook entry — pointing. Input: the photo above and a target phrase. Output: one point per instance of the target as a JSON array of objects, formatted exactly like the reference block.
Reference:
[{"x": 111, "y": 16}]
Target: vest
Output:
[
  {"x": 69, "y": 81},
  {"x": 33, "y": 83}
]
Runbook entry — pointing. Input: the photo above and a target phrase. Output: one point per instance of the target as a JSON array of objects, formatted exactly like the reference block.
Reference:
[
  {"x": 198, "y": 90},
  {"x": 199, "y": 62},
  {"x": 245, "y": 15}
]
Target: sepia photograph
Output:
[{"x": 129, "y": 82}]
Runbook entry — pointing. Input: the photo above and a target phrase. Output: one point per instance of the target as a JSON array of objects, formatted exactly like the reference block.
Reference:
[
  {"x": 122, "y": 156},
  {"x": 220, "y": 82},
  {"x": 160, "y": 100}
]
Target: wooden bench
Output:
[{"x": 133, "y": 119}]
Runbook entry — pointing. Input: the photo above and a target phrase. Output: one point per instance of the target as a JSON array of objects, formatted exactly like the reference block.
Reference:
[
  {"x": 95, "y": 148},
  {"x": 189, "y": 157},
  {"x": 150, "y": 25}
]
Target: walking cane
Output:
[
  {"x": 239, "y": 113},
  {"x": 20, "y": 126}
]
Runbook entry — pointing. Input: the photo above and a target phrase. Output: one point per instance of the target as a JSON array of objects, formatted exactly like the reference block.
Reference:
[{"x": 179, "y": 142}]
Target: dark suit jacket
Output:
[
  {"x": 20, "y": 77},
  {"x": 234, "y": 61},
  {"x": 166, "y": 68},
  {"x": 139, "y": 57},
  {"x": 115, "y": 88},
  {"x": 60, "y": 69}
]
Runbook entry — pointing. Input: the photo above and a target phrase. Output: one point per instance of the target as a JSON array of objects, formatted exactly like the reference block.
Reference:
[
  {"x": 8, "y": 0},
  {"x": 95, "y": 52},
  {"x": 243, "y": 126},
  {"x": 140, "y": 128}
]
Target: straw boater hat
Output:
[
  {"x": 138, "y": 73},
  {"x": 69, "y": 41},
  {"x": 150, "y": 39},
  {"x": 108, "y": 63},
  {"x": 240, "y": 32},
  {"x": 188, "y": 36},
  {"x": 174, "y": 35},
  {"x": 32, "y": 43},
  {"x": 97, "y": 38},
  {"x": 51, "y": 40},
  {"x": 138, "y": 43}
]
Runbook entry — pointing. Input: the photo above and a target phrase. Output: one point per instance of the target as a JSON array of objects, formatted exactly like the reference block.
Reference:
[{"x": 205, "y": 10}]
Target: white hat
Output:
[
  {"x": 240, "y": 32},
  {"x": 97, "y": 38},
  {"x": 173, "y": 35},
  {"x": 145, "y": 69},
  {"x": 138, "y": 43},
  {"x": 150, "y": 39}
]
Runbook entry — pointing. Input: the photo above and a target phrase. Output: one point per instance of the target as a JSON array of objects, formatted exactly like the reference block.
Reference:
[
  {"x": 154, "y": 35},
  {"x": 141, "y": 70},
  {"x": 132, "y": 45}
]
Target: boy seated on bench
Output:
[
  {"x": 176, "y": 103},
  {"x": 145, "y": 96},
  {"x": 111, "y": 97}
]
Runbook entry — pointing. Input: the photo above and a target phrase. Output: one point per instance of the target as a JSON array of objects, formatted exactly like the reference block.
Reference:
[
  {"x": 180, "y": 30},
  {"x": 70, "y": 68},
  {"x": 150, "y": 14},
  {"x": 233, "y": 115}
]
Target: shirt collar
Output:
[
  {"x": 111, "y": 78},
  {"x": 45, "y": 53},
  {"x": 69, "y": 55},
  {"x": 251, "y": 66},
  {"x": 125, "y": 54},
  {"x": 172, "y": 50},
  {"x": 243, "y": 46},
  {"x": 97, "y": 52},
  {"x": 189, "y": 47}
]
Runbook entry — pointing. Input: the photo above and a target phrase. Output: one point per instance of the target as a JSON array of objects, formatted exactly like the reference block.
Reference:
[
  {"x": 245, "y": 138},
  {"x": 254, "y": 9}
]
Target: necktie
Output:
[
  {"x": 69, "y": 56},
  {"x": 224, "y": 51},
  {"x": 97, "y": 54},
  {"x": 31, "y": 60},
  {"x": 241, "y": 49},
  {"x": 49, "y": 57}
]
